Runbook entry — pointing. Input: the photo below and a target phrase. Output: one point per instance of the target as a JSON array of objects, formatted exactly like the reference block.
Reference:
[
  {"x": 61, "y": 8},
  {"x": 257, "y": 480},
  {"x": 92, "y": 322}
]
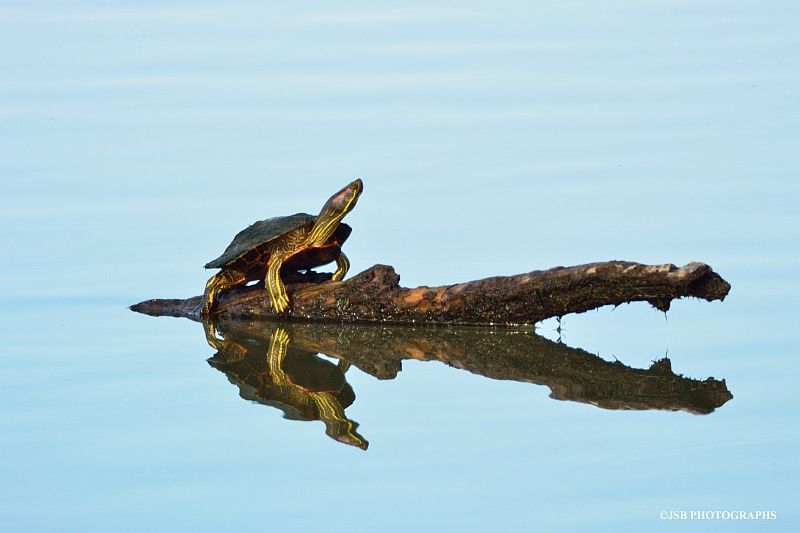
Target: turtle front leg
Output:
[
  {"x": 343, "y": 265},
  {"x": 224, "y": 279},
  {"x": 277, "y": 290}
]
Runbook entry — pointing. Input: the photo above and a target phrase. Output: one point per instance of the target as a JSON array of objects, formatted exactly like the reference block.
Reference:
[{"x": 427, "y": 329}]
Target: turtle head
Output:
[{"x": 333, "y": 212}]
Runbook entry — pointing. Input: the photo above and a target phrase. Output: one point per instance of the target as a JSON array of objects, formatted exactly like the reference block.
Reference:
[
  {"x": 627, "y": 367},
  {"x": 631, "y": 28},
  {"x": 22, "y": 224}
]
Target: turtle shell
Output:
[{"x": 257, "y": 234}]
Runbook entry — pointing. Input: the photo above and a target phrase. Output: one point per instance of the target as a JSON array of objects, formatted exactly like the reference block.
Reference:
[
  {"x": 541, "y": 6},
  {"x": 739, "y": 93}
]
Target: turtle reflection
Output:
[
  {"x": 277, "y": 364},
  {"x": 269, "y": 370}
]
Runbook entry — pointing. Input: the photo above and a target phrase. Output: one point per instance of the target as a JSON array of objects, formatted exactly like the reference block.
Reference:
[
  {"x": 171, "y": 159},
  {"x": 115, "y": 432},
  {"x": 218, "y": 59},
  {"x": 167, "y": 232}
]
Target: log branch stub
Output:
[{"x": 375, "y": 295}]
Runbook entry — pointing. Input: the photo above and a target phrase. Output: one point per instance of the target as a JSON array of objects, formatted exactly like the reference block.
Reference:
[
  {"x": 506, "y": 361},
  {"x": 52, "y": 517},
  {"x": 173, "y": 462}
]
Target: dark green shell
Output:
[{"x": 259, "y": 233}]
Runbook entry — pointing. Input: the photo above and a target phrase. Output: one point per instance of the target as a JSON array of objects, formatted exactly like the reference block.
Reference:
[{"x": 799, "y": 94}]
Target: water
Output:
[{"x": 136, "y": 140}]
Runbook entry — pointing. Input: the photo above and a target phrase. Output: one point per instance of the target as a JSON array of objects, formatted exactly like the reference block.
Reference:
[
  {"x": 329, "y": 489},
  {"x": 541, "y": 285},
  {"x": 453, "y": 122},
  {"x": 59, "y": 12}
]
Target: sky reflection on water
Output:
[{"x": 136, "y": 140}]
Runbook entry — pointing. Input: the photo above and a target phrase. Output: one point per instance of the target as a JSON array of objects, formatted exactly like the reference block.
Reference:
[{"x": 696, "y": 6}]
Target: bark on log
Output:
[{"x": 375, "y": 295}]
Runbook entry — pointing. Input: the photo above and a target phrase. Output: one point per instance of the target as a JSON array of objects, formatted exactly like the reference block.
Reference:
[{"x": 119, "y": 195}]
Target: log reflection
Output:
[{"x": 277, "y": 364}]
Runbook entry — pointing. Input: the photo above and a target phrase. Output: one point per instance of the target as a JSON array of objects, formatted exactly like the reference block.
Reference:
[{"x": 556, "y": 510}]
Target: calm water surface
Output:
[{"x": 137, "y": 139}]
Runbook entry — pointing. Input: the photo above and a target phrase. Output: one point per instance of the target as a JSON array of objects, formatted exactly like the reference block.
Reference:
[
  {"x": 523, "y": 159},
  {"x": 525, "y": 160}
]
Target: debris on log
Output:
[{"x": 375, "y": 295}]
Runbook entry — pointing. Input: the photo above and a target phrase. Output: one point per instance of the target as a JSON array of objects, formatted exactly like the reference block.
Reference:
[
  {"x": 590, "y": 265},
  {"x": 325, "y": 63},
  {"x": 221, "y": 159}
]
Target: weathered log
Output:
[{"x": 375, "y": 295}]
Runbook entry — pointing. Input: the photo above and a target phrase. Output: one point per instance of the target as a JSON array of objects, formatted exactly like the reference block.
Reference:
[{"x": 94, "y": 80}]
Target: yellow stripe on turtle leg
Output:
[
  {"x": 211, "y": 334},
  {"x": 277, "y": 291},
  {"x": 343, "y": 265},
  {"x": 210, "y": 294},
  {"x": 224, "y": 279},
  {"x": 214, "y": 285},
  {"x": 277, "y": 352},
  {"x": 337, "y": 425},
  {"x": 228, "y": 351}
]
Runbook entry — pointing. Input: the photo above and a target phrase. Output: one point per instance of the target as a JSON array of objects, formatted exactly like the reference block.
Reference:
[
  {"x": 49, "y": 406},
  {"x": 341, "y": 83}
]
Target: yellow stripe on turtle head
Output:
[{"x": 333, "y": 212}]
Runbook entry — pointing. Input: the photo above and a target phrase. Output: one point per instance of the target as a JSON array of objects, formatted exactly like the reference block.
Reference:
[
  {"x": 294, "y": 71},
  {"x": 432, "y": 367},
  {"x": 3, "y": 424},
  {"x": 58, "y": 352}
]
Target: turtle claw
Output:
[{"x": 281, "y": 305}]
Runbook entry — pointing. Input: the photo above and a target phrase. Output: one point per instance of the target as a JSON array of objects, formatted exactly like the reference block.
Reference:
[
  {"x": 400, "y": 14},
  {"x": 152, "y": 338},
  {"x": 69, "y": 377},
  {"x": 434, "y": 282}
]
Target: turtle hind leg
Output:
[
  {"x": 224, "y": 279},
  {"x": 343, "y": 265}
]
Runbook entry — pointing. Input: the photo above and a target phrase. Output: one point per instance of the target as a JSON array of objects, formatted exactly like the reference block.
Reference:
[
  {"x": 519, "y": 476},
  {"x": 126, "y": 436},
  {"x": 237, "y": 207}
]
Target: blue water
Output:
[{"x": 136, "y": 139}]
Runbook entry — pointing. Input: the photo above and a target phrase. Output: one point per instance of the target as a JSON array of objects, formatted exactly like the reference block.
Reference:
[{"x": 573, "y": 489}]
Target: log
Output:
[{"x": 375, "y": 295}]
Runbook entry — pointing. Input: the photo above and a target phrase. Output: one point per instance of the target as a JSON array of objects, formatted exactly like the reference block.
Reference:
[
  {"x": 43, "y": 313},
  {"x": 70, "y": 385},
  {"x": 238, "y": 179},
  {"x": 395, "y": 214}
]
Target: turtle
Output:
[{"x": 289, "y": 244}]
